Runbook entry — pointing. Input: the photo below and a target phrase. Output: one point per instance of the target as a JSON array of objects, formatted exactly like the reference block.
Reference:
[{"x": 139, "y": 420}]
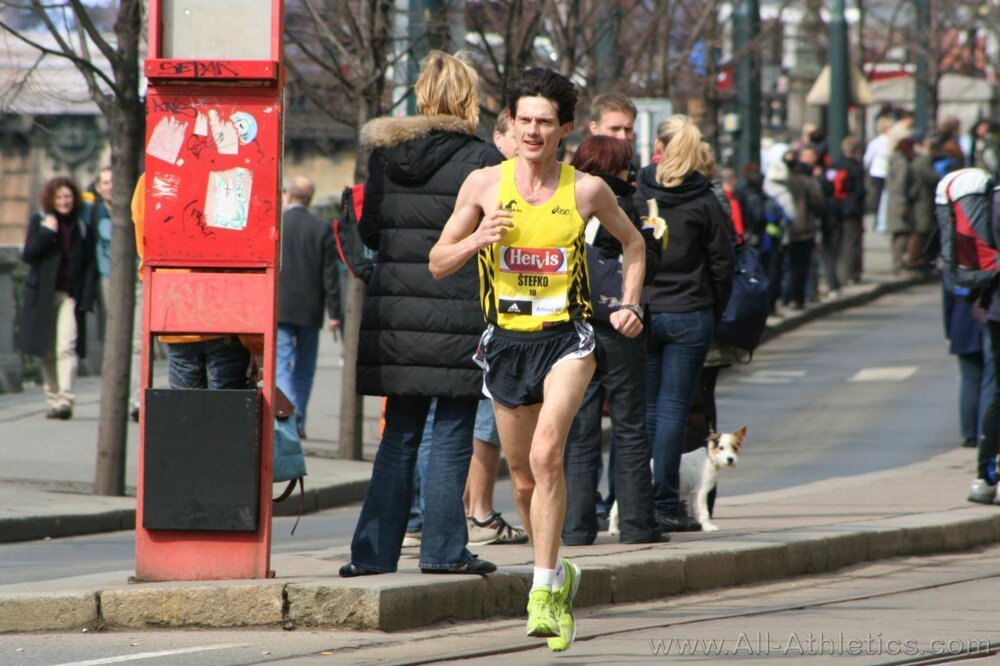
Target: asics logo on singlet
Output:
[
  {"x": 561, "y": 211},
  {"x": 533, "y": 260}
]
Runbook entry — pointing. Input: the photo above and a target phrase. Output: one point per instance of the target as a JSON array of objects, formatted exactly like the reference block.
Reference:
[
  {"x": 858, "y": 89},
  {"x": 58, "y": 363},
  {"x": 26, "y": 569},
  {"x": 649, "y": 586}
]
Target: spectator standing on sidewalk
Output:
[
  {"x": 58, "y": 292},
  {"x": 925, "y": 178},
  {"x": 612, "y": 115},
  {"x": 984, "y": 488},
  {"x": 418, "y": 335},
  {"x": 876, "y": 159},
  {"x": 847, "y": 207},
  {"x": 899, "y": 202},
  {"x": 686, "y": 299},
  {"x": 809, "y": 202},
  {"x": 620, "y": 375},
  {"x": 97, "y": 200},
  {"x": 964, "y": 328},
  {"x": 308, "y": 283},
  {"x": 195, "y": 361}
]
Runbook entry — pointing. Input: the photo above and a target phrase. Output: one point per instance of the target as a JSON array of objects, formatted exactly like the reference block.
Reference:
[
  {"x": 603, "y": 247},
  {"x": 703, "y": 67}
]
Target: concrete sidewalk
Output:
[
  {"x": 810, "y": 529},
  {"x": 47, "y": 467}
]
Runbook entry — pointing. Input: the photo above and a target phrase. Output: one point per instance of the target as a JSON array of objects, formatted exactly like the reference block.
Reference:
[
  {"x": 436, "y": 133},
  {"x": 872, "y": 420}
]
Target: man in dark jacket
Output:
[
  {"x": 847, "y": 179},
  {"x": 308, "y": 281},
  {"x": 418, "y": 335}
]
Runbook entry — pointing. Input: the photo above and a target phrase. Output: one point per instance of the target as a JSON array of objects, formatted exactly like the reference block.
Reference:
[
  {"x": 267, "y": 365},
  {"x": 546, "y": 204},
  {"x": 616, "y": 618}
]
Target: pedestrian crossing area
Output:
[{"x": 900, "y": 373}]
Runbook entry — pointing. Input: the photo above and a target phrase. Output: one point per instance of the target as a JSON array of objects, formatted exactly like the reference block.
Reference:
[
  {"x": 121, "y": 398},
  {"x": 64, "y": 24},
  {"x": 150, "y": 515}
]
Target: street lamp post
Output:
[
  {"x": 921, "y": 76},
  {"x": 837, "y": 108},
  {"x": 746, "y": 28}
]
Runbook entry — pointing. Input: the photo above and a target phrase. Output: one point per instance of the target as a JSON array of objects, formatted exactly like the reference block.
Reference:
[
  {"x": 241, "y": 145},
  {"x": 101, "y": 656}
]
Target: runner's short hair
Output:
[{"x": 547, "y": 83}]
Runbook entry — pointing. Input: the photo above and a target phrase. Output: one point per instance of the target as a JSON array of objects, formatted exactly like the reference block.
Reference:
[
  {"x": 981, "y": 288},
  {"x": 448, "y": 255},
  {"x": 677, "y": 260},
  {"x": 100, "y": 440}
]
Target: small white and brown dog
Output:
[{"x": 699, "y": 473}]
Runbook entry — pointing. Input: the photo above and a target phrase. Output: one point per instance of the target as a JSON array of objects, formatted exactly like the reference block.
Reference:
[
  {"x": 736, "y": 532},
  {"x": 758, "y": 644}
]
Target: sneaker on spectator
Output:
[
  {"x": 982, "y": 492},
  {"x": 493, "y": 529},
  {"x": 411, "y": 540}
]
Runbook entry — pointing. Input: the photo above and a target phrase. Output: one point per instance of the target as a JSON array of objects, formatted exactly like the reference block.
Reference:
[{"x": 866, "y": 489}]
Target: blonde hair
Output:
[
  {"x": 682, "y": 150},
  {"x": 448, "y": 85},
  {"x": 706, "y": 161}
]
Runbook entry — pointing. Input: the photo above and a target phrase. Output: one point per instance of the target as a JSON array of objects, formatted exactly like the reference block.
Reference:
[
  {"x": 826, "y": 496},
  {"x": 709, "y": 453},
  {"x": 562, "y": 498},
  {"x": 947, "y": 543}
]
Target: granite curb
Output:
[
  {"x": 322, "y": 497},
  {"x": 409, "y": 601}
]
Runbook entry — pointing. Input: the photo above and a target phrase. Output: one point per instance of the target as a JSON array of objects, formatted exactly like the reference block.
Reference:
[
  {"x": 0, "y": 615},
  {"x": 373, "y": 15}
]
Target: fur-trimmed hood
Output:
[
  {"x": 410, "y": 150},
  {"x": 391, "y": 131}
]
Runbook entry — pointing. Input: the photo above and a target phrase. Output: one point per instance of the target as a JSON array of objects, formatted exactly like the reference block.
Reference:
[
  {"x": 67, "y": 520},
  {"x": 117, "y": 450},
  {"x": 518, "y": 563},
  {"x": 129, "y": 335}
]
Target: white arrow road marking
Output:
[
  {"x": 152, "y": 655},
  {"x": 773, "y": 377},
  {"x": 897, "y": 374}
]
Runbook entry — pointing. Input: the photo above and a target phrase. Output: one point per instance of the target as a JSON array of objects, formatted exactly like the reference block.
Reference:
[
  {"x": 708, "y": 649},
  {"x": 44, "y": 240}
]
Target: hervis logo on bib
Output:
[{"x": 532, "y": 260}]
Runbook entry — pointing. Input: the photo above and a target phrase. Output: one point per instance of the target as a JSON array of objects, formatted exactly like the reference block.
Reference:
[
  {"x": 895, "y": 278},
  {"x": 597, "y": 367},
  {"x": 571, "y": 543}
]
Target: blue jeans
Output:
[
  {"x": 620, "y": 376},
  {"x": 297, "y": 350},
  {"x": 678, "y": 346},
  {"x": 416, "y": 520},
  {"x": 378, "y": 537},
  {"x": 213, "y": 364},
  {"x": 971, "y": 395}
]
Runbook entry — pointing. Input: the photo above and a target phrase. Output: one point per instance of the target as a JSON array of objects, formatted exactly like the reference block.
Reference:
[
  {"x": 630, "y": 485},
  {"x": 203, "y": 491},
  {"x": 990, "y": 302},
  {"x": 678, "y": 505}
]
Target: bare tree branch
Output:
[
  {"x": 78, "y": 61},
  {"x": 83, "y": 19}
]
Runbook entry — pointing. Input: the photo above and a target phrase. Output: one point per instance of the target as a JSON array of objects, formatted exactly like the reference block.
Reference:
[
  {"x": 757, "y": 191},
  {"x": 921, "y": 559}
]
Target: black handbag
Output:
[
  {"x": 745, "y": 318},
  {"x": 605, "y": 274}
]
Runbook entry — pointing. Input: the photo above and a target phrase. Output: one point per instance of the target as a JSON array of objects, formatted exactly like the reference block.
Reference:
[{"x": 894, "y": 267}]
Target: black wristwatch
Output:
[{"x": 634, "y": 309}]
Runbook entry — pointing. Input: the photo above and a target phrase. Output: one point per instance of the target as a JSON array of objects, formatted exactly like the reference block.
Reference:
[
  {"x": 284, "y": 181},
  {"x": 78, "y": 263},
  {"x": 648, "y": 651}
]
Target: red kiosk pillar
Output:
[{"x": 210, "y": 246}]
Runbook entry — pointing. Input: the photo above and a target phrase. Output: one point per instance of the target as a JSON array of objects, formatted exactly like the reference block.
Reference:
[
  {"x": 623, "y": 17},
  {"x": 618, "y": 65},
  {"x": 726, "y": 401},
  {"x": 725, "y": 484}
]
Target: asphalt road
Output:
[{"x": 860, "y": 391}]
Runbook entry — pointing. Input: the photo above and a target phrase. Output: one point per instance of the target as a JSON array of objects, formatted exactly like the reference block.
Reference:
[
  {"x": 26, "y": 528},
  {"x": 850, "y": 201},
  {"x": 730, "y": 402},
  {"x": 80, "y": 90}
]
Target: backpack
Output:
[
  {"x": 966, "y": 203},
  {"x": 745, "y": 318},
  {"x": 838, "y": 179},
  {"x": 351, "y": 248}
]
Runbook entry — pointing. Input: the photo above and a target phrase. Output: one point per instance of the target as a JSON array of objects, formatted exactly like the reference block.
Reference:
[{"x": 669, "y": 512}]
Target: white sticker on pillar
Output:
[
  {"x": 224, "y": 133},
  {"x": 165, "y": 185},
  {"x": 227, "y": 201},
  {"x": 201, "y": 125},
  {"x": 167, "y": 138}
]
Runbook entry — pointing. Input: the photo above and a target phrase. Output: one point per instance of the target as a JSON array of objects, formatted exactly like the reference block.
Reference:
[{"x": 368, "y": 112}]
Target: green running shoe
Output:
[
  {"x": 562, "y": 599},
  {"x": 541, "y": 613}
]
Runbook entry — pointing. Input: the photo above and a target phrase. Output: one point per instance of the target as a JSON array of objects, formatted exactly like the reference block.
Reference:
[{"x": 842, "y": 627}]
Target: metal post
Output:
[
  {"x": 836, "y": 111},
  {"x": 607, "y": 59},
  {"x": 746, "y": 28},
  {"x": 921, "y": 76}
]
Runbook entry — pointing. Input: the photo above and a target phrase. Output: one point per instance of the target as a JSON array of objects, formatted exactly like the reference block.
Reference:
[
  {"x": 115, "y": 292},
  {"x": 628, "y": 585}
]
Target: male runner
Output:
[{"x": 525, "y": 220}]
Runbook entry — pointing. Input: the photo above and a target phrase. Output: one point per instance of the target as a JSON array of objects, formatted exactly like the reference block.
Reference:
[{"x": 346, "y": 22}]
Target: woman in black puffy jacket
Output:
[{"x": 418, "y": 335}]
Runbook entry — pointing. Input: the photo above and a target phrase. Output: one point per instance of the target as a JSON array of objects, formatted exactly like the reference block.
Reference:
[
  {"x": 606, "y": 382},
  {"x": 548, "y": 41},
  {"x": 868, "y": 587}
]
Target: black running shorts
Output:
[{"x": 515, "y": 363}]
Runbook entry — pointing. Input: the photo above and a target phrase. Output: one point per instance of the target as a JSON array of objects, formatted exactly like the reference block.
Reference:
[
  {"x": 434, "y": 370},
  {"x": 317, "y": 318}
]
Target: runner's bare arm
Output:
[
  {"x": 597, "y": 199},
  {"x": 461, "y": 238}
]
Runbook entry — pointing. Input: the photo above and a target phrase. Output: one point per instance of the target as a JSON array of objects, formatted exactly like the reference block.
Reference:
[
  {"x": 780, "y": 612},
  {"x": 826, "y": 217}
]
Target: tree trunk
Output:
[
  {"x": 351, "y": 437},
  {"x": 126, "y": 122}
]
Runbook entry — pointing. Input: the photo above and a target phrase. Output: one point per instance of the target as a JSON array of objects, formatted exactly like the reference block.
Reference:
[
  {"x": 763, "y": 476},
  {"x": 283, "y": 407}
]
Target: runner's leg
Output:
[
  {"x": 563, "y": 390},
  {"x": 516, "y": 427}
]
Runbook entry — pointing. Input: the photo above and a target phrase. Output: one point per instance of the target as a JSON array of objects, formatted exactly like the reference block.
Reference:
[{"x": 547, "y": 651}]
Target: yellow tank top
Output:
[{"x": 536, "y": 276}]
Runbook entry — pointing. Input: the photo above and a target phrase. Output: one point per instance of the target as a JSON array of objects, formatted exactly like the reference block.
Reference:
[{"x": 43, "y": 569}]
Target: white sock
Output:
[
  {"x": 543, "y": 578},
  {"x": 560, "y": 578}
]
